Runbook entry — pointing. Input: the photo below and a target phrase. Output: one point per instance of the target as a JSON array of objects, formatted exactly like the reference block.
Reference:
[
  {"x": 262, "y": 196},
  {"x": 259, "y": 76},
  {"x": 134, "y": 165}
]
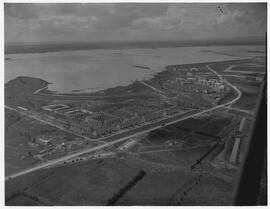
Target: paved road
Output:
[
  {"x": 239, "y": 93},
  {"x": 161, "y": 93},
  {"x": 126, "y": 135},
  {"x": 229, "y": 69},
  {"x": 249, "y": 112},
  {"x": 39, "y": 90}
]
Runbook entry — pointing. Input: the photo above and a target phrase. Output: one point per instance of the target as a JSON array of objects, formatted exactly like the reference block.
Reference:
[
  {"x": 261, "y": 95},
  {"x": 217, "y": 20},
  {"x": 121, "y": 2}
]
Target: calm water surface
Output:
[{"x": 92, "y": 70}]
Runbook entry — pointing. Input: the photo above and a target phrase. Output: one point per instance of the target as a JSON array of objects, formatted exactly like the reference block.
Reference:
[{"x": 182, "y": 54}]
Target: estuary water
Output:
[{"x": 91, "y": 70}]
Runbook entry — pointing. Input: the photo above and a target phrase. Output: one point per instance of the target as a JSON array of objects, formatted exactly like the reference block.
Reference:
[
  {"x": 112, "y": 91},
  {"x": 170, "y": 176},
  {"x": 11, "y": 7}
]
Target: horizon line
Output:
[{"x": 240, "y": 38}]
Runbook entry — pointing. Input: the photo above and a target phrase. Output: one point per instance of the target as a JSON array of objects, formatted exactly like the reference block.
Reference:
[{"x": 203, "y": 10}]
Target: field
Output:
[
  {"x": 154, "y": 189},
  {"x": 248, "y": 68},
  {"x": 250, "y": 92},
  {"x": 84, "y": 184},
  {"x": 19, "y": 132},
  {"x": 209, "y": 191},
  {"x": 191, "y": 132},
  {"x": 215, "y": 126},
  {"x": 95, "y": 182},
  {"x": 220, "y": 67}
]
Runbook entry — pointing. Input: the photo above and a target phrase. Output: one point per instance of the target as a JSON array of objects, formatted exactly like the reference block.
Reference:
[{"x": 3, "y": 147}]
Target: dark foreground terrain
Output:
[{"x": 97, "y": 182}]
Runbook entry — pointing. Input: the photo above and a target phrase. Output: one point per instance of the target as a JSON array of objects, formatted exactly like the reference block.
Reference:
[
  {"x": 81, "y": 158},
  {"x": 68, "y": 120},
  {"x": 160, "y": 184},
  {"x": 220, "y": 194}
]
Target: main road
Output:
[{"x": 117, "y": 138}]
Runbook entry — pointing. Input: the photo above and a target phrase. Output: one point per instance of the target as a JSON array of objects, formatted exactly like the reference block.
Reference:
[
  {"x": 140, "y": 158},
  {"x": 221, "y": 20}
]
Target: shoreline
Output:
[{"x": 98, "y": 92}]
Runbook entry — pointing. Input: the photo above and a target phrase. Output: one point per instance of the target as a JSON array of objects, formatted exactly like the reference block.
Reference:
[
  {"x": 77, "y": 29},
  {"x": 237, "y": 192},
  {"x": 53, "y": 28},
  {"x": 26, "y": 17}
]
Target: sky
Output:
[{"x": 90, "y": 22}]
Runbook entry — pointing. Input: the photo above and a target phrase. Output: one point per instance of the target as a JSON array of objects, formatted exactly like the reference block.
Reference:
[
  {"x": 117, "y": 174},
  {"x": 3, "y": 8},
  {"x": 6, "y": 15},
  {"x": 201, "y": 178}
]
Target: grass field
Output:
[
  {"x": 220, "y": 67},
  {"x": 248, "y": 68},
  {"x": 164, "y": 158},
  {"x": 18, "y": 132},
  {"x": 250, "y": 92},
  {"x": 94, "y": 183},
  {"x": 210, "y": 191},
  {"x": 215, "y": 126},
  {"x": 89, "y": 183},
  {"x": 154, "y": 189},
  {"x": 22, "y": 200},
  {"x": 18, "y": 129}
]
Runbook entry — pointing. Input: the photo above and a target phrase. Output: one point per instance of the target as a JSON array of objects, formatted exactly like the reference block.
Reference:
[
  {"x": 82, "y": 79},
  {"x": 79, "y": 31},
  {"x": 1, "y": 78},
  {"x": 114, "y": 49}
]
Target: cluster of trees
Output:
[
  {"x": 126, "y": 188},
  {"x": 187, "y": 190}
]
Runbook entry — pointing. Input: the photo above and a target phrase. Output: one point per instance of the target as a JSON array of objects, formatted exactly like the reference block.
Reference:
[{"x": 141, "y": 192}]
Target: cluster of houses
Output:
[
  {"x": 203, "y": 82},
  {"x": 213, "y": 83},
  {"x": 185, "y": 102},
  {"x": 96, "y": 126}
]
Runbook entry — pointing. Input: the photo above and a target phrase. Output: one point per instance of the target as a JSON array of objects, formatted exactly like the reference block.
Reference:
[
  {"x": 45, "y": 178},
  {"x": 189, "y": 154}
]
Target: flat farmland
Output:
[
  {"x": 154, "y": 189},
  {"x": 22, "y": 200},
  {"x": 220, "y": 67},
  {"x": 192, "y": 123},
  {"x": 20, "y": 130},
  {"x": 215, "y": 126},
  {"x": 183, "y": 157},
  {"x": 209, "y": 191},
  {"x": 248, "y": 68},
  {"x": 250, "y": 92},
  {"x": 17, "y": 148},
  {"x": 95, "y": 182},
  {"x": 87, "y": 183}
]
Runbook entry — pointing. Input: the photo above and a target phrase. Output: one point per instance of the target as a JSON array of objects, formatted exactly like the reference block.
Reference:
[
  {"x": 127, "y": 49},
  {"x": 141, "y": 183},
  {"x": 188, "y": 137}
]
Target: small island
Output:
[{"x": 141, "y": 67}]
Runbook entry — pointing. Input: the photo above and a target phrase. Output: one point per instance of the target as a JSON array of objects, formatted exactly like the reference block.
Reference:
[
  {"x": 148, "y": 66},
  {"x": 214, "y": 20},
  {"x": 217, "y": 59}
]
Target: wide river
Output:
[{"x": 91, "y": 70}]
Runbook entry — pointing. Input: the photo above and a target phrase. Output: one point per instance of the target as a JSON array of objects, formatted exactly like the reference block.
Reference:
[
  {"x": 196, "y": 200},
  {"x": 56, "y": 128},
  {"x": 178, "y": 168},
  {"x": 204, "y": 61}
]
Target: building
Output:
[
  {"x": 43, "y": 141},
  {"x": 129, "y": 122},
  {"x": 141, "y": 110},
  {"x": 154, "y": 115},
  {"x": 194, "y": 69},
  {"x": 71, "y": 145},
  {"x": 81, "y": 127},
  {"x": 220, "y": 89},
  {"x": 200, "y": 79},
  {"x": 191, "y": 79},
  {"x": 111, "y": 121},
  {"x": 92, "y": 122},
  {"x": 172, "y": 110},
  {"x": 153, "y": 103},
  {"x": 189, "y": 74},
  {"x": 234, "y": 153},
  {"x": 77, "y": 114},
  {"x": 212, "y": 83},
  {"x": 54, "y": 107}
]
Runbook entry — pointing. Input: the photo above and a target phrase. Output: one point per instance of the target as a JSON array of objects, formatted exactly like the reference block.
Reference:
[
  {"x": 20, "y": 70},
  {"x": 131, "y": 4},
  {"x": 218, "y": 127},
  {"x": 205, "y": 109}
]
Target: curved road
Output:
[
  {"x": 239, "y": 93},
  {"x": 155, "y": 125}
]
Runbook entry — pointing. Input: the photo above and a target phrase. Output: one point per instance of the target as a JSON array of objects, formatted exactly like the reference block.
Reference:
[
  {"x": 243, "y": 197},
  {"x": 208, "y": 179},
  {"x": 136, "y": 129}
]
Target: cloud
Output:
[
  {"x": 23, "y": 11},
  {"x": 170, "y": 20},
  {"x": 192, "y": 20},
  {"x": 131, "y": 21}
]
